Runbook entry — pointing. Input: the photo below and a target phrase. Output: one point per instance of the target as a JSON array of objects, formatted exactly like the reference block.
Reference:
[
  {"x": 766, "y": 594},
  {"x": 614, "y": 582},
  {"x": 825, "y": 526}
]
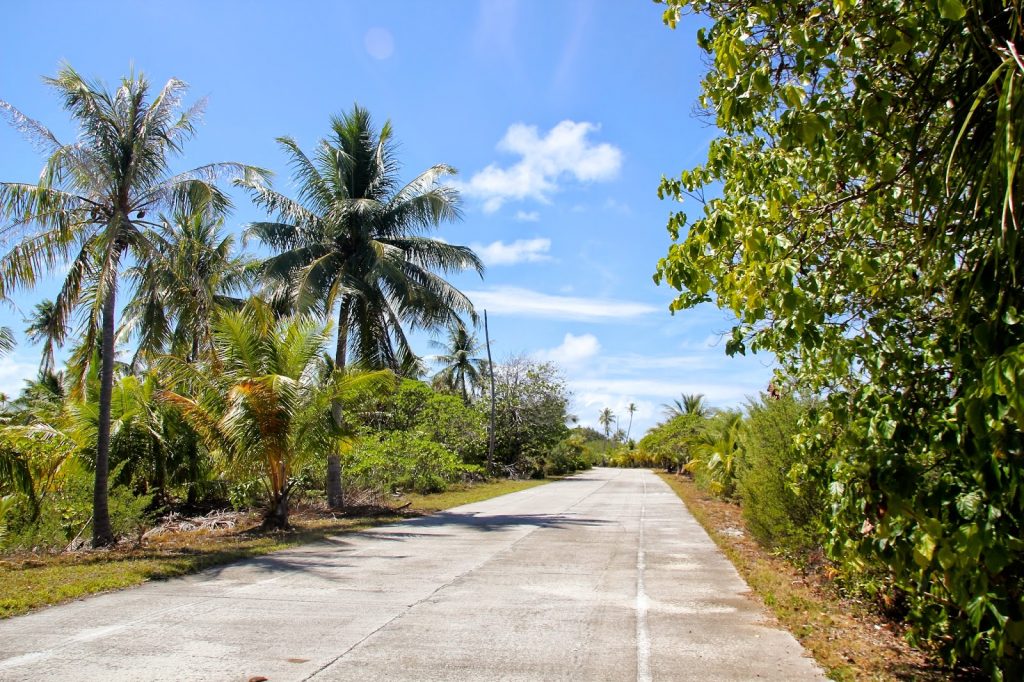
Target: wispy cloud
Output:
[
  {"x": 527, "y": 303},
  {"x": 527, "y": 216},
  {"x": 563, "y": 153},
  {"x": 519, "y": 251},
  {"x": 574, "y": 350}
]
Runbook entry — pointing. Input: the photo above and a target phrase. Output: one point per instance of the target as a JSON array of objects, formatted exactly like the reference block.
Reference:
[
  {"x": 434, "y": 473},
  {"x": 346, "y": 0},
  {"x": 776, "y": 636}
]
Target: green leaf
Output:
[{"x": 952, "y": 10}]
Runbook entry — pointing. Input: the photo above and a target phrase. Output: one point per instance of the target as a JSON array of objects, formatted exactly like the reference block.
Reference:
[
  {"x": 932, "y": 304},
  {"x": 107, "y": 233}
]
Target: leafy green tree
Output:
[
  {"x": 263, "y": 402},
  {"x": 671, "y": 443},
  {"x": 193, "y": 271},
  {"x": 89, "y": 209},
  {"x": 462, "y": 371},
  {"x": 531, "y": 400},
  {"x": 867, "y": 234}
]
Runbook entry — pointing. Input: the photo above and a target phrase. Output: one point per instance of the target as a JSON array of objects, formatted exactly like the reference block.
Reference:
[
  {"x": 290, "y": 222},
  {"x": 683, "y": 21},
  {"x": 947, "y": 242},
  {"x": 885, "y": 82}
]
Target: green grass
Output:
[{"x": 31, "y": 581}]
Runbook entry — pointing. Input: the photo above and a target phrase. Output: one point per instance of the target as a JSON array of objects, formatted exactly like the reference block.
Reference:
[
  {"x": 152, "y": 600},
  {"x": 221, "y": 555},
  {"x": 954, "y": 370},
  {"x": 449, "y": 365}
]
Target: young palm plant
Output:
[
  {"x": 461, "y": 371},
  {"x": 716, "y": 453},
  {"x": 89, "y": 208},
  {"x": 264, "y": 403}
]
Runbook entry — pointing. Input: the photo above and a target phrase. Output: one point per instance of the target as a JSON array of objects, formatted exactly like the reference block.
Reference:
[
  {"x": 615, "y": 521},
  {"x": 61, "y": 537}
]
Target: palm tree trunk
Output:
[
  {"x": 334, "y": 490},
  {"x": 341, "y": 350},
  {"x": 102, "y": 533}
]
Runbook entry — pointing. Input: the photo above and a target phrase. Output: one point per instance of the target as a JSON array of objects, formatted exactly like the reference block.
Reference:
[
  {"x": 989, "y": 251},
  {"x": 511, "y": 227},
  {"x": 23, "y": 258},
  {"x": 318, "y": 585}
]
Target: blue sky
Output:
[{"x": 561, "y": 118}]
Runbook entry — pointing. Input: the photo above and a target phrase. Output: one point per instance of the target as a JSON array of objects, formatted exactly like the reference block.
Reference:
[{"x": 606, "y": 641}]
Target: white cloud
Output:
[
  {"x": 527, "y": 216},
  {"x": 573, "y": 351},
  {"x": 13, "y": 374},
  {"x": 715, "y": 391},
  {"x": 528, "y": 303},
  {"x": 519, "y": 251},
  {"x": 563, "y": 153}
]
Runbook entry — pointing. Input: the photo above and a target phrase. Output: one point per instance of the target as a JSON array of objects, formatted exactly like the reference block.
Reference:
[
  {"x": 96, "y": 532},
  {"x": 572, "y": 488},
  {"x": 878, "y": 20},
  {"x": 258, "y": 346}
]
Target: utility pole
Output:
[{"x": 490, "y": 368}]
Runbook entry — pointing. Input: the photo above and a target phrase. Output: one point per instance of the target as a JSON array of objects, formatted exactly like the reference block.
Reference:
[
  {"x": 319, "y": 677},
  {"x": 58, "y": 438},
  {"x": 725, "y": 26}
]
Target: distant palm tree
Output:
[
  {"x": 606, "y": 419},
  {"x": 690, "y": 403},
  {"x": 44, "y": 327},
  {"x": 89, "y": 207},
  {"x": 462, "y": 371},
  {"x": 192, "y": 273},
  {"x": 631, "y": 409}
]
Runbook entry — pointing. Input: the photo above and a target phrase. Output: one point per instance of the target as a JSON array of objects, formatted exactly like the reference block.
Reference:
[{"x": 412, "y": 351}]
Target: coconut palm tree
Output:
[
  {"x": 193, "y": 272},
  {"x": 43, "y": 328},
  {"x": 89, "y": 208},
  {"x": 264, "y": 402},
  {"x": 606, "y": 418},
  {"x": 352, "y": 241},
  {"x": 461, "y": 371},
  {"x": 631, "y": 409},
  {"x": 689, "y": 403}
]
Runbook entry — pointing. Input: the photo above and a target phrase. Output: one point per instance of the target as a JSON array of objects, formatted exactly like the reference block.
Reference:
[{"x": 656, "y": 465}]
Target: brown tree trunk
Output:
[
  {"x": 334, "y": 489},
  {"x": 277, "y": 515},
  {"x": 102, "y": 533}
]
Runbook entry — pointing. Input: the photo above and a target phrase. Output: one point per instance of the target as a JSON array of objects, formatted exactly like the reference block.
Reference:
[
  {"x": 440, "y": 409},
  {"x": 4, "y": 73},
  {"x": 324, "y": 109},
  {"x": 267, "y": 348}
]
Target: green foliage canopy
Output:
[{"x": 867, "y": 233}]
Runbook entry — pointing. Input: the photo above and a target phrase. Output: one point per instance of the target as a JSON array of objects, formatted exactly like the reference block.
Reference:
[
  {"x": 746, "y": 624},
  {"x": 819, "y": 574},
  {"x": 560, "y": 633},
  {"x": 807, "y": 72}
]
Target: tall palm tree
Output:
[
  {"x": 688, "y": 403},
  {"x": 606, "y": 418},
  {"x": 352, "y": 240},
  {"x": 462, "y": 371},
  {"x": 43, "y": 328},
  {"x": 193, "y": 272},
  {"x": 264, "y": 402},
  {"x": 631, "y": 409},
  {"x": 89, "y": 209}
]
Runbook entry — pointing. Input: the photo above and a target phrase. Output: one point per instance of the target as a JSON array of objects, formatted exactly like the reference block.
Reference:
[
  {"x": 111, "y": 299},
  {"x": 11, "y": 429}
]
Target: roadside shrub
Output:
[
  {"x": 568, "y": 456},
  {"x": 783, "y": 498},
  {"x": 66, "y": 513},
  {"x": 400, "y": 460}
]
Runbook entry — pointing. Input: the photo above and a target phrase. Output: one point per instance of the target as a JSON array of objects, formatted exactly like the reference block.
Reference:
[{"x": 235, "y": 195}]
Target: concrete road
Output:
[{"x": 603, "y": 576}]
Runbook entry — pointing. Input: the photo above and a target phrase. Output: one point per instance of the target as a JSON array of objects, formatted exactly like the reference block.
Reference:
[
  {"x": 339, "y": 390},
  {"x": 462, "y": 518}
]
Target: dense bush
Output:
[
  {"x": 403, "y": 460},
  {"x": 65, "y": 513},
  {"x": 782, "y": 493}
]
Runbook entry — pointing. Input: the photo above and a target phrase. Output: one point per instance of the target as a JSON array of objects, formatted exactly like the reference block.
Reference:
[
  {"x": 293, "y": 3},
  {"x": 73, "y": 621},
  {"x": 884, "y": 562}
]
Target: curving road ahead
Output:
[{"x": 602, "y": 576}]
